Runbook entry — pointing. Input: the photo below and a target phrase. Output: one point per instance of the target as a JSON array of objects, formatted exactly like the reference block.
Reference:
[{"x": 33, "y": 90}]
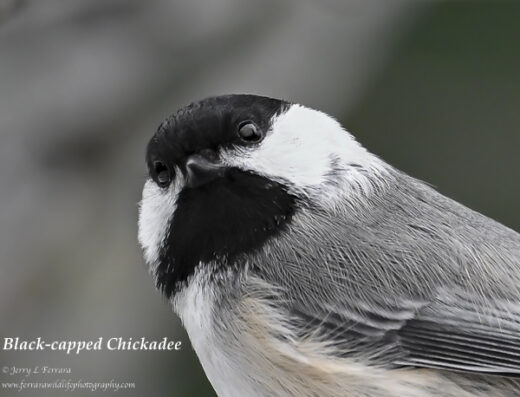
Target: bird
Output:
[{"x": 301, "y": 264}]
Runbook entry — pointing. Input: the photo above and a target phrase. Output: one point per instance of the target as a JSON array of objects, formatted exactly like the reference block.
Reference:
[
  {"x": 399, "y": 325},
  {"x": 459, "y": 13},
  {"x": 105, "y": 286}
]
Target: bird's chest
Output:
[{"x": 215, "y": 349}]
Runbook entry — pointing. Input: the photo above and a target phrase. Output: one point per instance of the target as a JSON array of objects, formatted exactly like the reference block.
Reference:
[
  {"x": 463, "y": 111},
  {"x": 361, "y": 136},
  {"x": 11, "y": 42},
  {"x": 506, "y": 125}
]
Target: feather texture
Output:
[{"x": 405, "y": 270}]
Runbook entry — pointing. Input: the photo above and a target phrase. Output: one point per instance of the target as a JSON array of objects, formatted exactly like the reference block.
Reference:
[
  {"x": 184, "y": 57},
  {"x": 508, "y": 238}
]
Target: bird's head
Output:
[{"x": 228, "y": 173}]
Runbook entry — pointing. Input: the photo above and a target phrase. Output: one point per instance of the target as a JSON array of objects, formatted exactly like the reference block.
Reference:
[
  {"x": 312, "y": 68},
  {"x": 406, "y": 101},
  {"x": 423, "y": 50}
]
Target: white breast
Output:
[
  {"x": 195, "y": 306},
  {"x": 259, "y": 366}
]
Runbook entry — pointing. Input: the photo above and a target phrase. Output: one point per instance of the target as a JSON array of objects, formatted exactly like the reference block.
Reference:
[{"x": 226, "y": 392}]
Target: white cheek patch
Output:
[
  {"x": 300, "y": 148},
  {"x": 155, "y": 212}
]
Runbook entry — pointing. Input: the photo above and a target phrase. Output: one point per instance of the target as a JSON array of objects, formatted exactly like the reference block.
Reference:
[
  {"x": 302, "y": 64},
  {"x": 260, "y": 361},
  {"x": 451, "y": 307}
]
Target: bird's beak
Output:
[{"x": 200, "y": 170}]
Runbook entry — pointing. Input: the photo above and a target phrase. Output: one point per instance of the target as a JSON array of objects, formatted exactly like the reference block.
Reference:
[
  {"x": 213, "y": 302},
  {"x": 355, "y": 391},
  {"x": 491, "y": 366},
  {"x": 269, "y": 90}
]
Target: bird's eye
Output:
[
  {"x": 163, "y": 176},
  {"x": 249, "y": 132}
]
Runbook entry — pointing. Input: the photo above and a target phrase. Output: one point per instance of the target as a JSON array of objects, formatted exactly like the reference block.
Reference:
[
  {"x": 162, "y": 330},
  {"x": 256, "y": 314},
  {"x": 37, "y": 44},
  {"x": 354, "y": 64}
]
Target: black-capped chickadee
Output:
[{"x": 303, "y": 265}]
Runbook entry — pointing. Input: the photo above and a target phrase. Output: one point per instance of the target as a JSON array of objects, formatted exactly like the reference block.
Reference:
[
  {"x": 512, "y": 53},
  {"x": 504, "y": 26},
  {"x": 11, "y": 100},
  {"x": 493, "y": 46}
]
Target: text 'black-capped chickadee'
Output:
[{"x": 303, "y": 265}]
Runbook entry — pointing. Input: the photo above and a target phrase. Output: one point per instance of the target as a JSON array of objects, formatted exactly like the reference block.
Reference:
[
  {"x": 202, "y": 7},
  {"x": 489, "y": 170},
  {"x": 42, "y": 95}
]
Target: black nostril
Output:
[{"x": 200, "y": 169}]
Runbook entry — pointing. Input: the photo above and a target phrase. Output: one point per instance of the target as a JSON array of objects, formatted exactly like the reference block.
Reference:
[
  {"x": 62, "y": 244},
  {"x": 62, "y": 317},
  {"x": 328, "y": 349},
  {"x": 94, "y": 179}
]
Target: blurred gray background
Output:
[{"x": 432, "y": 87}]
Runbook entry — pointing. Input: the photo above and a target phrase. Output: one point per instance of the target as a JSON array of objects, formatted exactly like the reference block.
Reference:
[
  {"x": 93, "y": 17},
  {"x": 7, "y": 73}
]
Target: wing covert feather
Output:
[{"x": 408, "y": 271}]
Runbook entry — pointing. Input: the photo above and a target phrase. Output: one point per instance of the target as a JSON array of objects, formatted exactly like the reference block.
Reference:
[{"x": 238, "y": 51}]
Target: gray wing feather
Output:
[{"x": 406, "y": 271}]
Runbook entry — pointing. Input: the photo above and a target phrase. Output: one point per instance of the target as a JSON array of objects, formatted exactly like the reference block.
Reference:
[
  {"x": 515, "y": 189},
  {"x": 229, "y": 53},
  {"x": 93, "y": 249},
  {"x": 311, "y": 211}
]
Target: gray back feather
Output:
[
  {"x": 404, "y": 242},
  {"x": 398, "y": 261}
]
